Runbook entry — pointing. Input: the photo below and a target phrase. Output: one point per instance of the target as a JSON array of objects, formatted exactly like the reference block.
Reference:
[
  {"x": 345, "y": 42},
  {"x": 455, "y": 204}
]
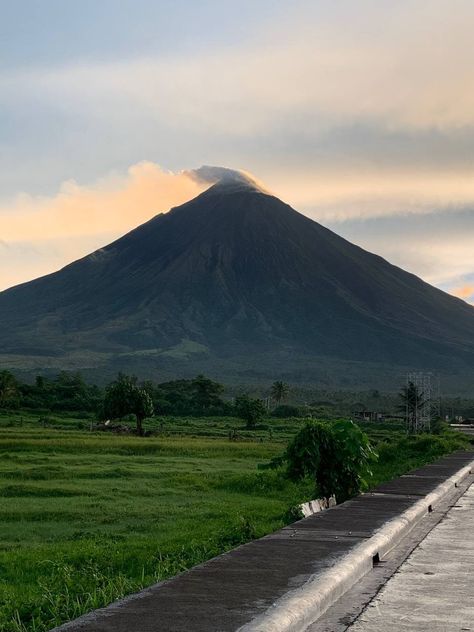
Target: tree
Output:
[
  {"x": 279, "y": 391},
  {"x": 412, "y": 400},
  {"x": 9, "y": 393},
  {"x": 206, "y": 393},
  {"x": 336, "y": 455},
  {"x": 125, "y": 397},
  {"x": 251, "y": 410},
  {"x": 286, "y": 410},
  {"x": 199, "y": 396}
]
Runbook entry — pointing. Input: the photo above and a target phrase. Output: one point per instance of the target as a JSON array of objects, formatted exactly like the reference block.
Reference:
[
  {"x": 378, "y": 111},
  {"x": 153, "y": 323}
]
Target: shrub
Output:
[
  {"x": 286, "y": 410},
  {"x": 439, "y": 426},
  {"x": 337, "y": 456},
  {"x": 250, "y": 410}
]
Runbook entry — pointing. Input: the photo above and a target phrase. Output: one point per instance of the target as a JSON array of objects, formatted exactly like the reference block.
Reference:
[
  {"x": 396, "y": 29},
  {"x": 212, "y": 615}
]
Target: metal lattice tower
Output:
[{"x": 425, "y": 406}]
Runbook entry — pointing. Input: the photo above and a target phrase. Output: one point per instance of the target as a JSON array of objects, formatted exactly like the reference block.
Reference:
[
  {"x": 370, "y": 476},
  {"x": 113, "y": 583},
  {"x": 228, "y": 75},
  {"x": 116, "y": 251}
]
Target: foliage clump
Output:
[
  {"x": 9, "y": 390},
  {"x": 250, "y": 410},
  {"x": 66, "y": 392},
  {"x": 198, "y": 396},
  {"x": 286, "y": 410},
  {"x": 336, "y": 455},
  {"x": 125, "y": 397}
]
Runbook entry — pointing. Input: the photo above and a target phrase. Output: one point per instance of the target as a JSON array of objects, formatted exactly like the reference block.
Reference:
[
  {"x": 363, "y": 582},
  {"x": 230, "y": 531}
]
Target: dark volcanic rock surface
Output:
[{"x": 236, "y": 273}]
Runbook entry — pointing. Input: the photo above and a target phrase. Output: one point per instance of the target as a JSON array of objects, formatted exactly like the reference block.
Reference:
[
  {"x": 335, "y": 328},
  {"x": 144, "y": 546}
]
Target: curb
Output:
[{"x": 298, "y": 609}]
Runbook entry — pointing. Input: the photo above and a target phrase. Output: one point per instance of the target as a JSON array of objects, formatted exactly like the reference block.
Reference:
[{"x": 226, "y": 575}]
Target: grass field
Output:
[{"x": 87, "y": 517}]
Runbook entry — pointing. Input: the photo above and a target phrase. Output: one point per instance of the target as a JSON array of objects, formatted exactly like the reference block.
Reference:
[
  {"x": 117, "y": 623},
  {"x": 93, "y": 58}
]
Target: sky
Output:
[{"x": 359, "y": 113}]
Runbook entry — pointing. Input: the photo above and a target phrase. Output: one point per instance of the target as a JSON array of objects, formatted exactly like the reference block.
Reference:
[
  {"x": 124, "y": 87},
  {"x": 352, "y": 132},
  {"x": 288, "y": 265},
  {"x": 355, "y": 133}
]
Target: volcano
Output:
[{"x": 238, "y": 284}]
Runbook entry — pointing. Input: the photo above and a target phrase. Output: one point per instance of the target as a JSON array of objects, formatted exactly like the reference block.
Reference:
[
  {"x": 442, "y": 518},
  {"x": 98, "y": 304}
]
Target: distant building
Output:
[{"x": 369, "y": 415}]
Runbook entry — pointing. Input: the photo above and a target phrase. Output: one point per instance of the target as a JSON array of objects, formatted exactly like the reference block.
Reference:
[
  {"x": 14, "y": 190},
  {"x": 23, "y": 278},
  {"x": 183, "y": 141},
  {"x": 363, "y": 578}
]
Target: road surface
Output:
[{"x": 433, "y": 590}]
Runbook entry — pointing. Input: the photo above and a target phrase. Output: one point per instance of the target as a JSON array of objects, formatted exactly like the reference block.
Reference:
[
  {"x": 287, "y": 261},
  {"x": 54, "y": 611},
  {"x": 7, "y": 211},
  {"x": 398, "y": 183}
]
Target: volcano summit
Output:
[{"x": 237, "y": 284}]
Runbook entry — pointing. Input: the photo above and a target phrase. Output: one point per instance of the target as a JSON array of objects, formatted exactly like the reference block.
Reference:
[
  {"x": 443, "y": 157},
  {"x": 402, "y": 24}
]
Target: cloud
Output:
[
  {"x": 40, "y": 234},
  {"x": 339, "y": 195},
  {"x": 348, "y": 111},
  {"x": 22, "y": 261},
  {"x": 334, "y": 64},
  {"x": 437, "y": 247},
  {"x": 353, "y": 108},
  {"x": 211, "y": 175},
  {"x": 113, "y": 204},
  {"x": 465, "y": 292}
]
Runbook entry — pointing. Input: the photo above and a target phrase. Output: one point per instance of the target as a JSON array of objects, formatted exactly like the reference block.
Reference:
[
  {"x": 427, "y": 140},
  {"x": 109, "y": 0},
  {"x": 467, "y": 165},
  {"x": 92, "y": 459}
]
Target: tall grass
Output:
[{"x": 87, "y": 518}]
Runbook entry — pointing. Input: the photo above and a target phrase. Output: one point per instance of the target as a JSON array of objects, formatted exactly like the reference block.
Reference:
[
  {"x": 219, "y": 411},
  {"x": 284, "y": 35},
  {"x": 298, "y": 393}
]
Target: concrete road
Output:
[{"x": 433, "y": 590}]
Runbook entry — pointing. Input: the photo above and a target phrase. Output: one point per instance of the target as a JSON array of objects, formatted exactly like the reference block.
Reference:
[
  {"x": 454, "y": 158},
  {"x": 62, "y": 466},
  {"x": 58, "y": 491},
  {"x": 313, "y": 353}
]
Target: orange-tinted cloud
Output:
[
  {"x": 112, "y": 205},
  {"x": 39, "y": 235},
  {"x": 465, "y": 292}
]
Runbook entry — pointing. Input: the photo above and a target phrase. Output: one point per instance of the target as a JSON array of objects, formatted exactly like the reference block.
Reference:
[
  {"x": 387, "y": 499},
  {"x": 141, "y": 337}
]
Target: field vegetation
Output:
[
  {"x": 87, "y": 517},
  {"x": 90, "y": 511}
]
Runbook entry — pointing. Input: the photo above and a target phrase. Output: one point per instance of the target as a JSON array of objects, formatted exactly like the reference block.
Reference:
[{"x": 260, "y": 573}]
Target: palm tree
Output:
[{"x": 279, "y": 391}]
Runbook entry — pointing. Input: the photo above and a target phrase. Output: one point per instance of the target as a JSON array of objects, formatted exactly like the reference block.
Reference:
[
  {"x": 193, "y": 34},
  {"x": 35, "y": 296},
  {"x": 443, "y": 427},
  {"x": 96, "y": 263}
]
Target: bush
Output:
[
  {"x": 337, "y": 456},
  {"x": 439, "y": 426},
  {"x": 286, "y": 410},
  {"x": 250, "y": 410}
]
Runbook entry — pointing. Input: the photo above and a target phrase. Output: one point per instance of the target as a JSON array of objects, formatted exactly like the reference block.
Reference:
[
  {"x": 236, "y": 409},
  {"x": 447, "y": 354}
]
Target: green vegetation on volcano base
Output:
[{"x": 88, "y": 517}]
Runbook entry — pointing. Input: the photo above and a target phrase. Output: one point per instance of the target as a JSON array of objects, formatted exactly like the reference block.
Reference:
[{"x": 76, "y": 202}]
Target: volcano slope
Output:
[{"x": 237, "y": 284}]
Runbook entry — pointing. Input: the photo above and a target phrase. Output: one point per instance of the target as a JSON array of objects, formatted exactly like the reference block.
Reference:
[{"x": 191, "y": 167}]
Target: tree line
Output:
[{"x": 199, "y": 396}]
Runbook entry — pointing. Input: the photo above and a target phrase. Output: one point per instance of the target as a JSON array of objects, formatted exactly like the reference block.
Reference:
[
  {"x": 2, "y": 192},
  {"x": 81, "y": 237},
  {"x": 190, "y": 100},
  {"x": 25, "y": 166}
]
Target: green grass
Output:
[
  {"x": 88, "y": 517},
  {"x": 398, "y": 453}
]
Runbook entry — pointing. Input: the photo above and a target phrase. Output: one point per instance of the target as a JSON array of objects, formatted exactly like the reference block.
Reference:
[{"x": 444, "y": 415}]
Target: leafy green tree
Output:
[
  {"x": 199, "y": 396},
  {"x": 279, "y": 391},
  {"x": 9, "y": 391},
  {"x": 286, "y": 410},
  {"x": 249, "y": 409},
  {"x": 206, "y": 394},
  {"x": 125, "y": 397},
  {"x": 336, "y": 455},
  {"x": 65, "y": 392}
]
